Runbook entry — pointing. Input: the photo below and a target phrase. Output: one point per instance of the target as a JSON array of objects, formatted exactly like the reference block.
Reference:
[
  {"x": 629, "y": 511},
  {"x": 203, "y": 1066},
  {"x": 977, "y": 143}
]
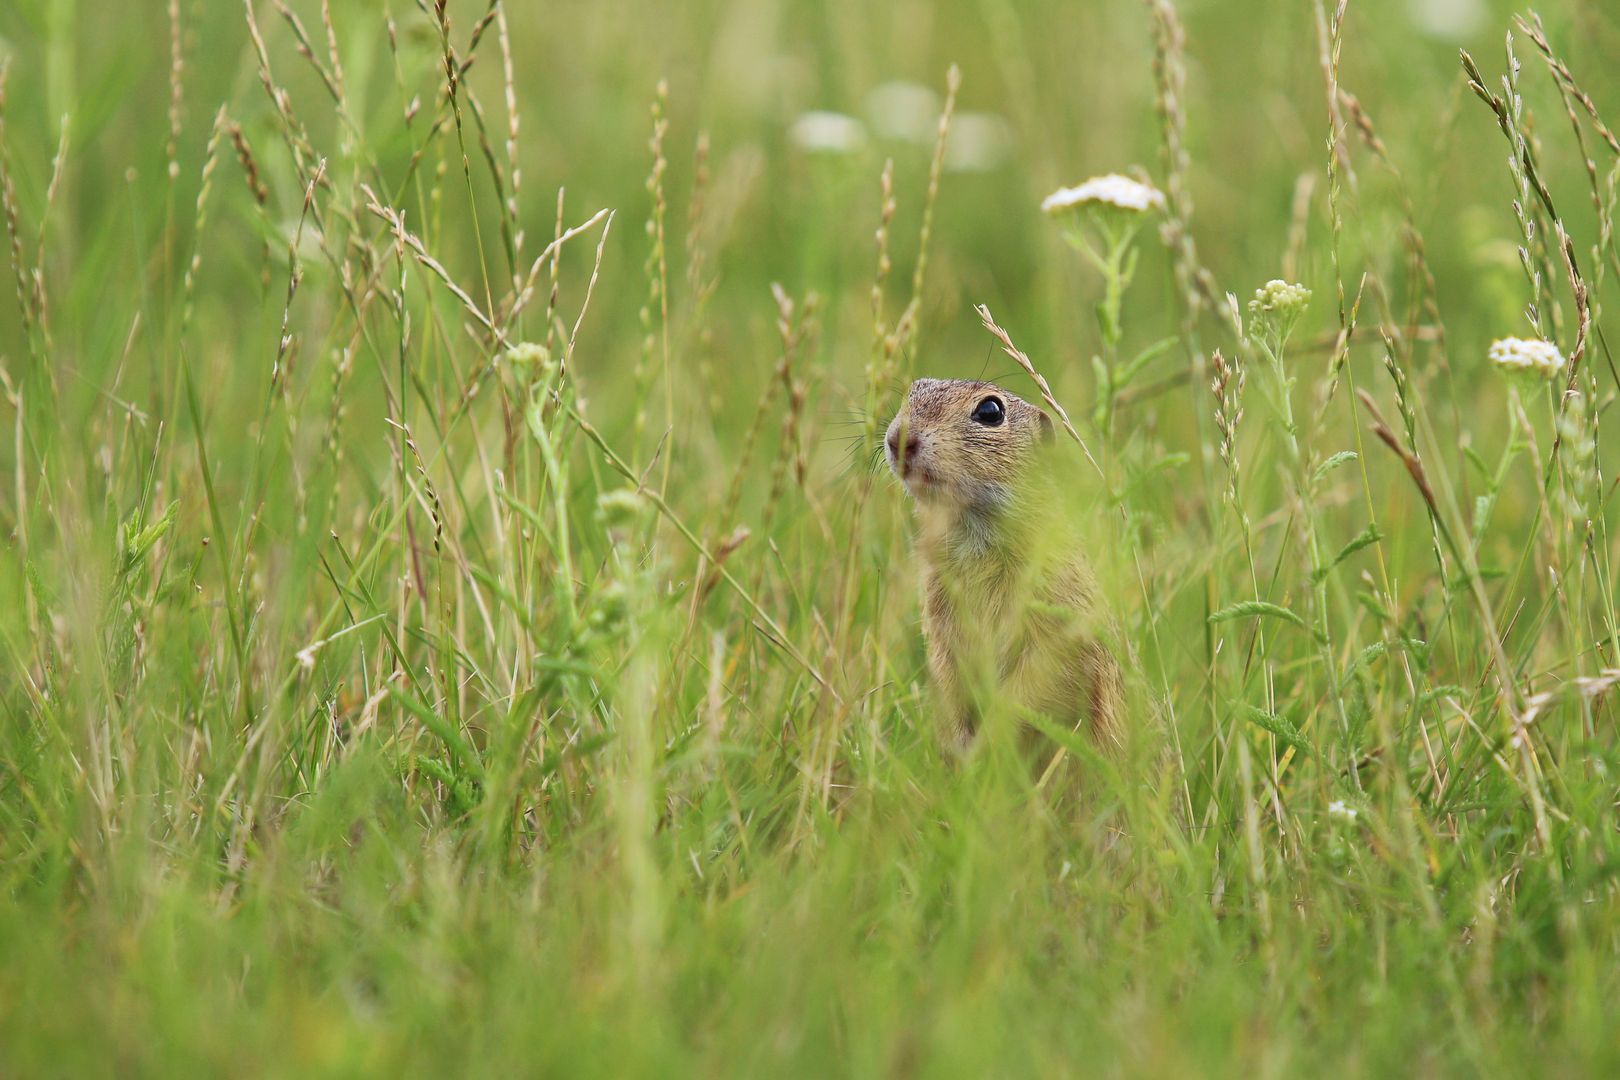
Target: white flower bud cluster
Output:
[
  {"x": 1534, "y": 357},
  {"x": 621, "y": 506},
  {"x": 1278, "y": 297},
  {"x": 532, "y": 357}
]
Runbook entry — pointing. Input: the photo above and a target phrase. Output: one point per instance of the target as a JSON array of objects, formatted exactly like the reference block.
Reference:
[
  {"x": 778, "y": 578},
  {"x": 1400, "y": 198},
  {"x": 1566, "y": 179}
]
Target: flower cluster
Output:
[
  {"x": 533, "y": 360},
  {"x": 1535, "y": 357},
  {"x": 621, "y": 506},
  {"x": 528, "y": 352},
  {"x": 1279, "y": 298},
  {"x": 1113, "y": 190},
  {"x": 1275, "y": 310},
  {"x": 822, "y": 132}
]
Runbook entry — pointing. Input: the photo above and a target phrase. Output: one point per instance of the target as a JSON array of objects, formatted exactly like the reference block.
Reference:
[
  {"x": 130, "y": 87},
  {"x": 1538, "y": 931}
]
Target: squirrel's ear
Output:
[{"x": 1048, "y": 432}]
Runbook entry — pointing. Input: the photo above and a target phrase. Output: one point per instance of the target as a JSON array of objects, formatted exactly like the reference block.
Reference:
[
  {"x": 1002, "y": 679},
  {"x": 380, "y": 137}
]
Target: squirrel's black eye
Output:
[{"x": 989, "y": 412}]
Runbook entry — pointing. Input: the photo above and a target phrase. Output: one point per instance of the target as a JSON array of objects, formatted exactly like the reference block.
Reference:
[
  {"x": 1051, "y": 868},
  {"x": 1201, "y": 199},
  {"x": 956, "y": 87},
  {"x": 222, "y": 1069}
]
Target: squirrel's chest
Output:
[{"x": 971, "y": 609}]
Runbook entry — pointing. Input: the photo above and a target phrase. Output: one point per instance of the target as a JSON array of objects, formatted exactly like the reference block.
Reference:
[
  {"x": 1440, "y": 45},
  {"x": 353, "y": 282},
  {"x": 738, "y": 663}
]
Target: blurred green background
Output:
[{"x": 1069, "y": 88}]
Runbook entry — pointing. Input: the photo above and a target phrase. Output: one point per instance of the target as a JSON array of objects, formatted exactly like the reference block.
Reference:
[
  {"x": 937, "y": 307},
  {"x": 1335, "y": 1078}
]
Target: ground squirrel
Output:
[{"x": 1010, "y": 606}]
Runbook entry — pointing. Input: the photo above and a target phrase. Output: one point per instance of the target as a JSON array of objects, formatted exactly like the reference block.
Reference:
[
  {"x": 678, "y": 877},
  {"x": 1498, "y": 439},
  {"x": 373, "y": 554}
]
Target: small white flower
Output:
[
  {"x": 527, "y": 352},
  {"x": 979, "y": 142},
  {"x": 620, "y": 506},
  {"x": 904, "y": 110},
  {"x": 1120, "y": 192},
  {"x": 1278, "y": 297},
  {"x": 531, "y": 360},
  {"x": 1528, "y": 355},
  {"x": 827, "y": 133},
  {"x": 1449, "y": 20},
  {"x": 306, "y": 655},
  {"x": 1338, "y": 808}
]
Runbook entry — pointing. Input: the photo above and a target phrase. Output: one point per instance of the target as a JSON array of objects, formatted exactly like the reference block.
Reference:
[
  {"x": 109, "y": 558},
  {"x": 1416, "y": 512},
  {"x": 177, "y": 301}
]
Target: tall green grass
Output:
[{"x": 453, "y": 621}]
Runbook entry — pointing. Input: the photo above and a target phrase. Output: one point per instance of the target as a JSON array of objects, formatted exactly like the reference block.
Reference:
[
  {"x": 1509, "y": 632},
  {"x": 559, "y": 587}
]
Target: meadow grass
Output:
[{"x": 454, "y": 622}]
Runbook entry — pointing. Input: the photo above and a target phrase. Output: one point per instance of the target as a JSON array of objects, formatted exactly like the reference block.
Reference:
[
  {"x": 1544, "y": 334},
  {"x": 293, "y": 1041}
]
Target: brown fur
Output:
[{"x": 1008, "y": 610}]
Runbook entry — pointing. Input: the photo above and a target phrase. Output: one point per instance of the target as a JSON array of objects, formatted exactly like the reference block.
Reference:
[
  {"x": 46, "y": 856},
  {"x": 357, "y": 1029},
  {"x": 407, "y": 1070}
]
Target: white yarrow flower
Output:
[
  {"x": 979, "y": 142},
  {"x": 527, "y": 352},
  {"x": 1113, "y": 190},
  {"x": 823, "y": 132},
  {"x": 1531, "y": 356},
  {"x": 1278, "y": 297},
  {"x": 1448, "y": 20},
  {"x": 1342, "y": 810},
  {"x": 620, "y": 506},
  {"x": 904, "y": 110}
]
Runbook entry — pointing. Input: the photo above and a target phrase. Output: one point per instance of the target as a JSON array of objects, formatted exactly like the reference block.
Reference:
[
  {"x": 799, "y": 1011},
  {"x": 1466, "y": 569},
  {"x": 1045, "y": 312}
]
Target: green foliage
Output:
[{"x": 457, "y": 620}]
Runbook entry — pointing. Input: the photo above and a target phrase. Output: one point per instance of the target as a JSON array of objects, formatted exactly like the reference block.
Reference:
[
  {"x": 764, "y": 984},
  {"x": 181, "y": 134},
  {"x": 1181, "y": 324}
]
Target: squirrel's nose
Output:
[{"x": 894, "y": 444}]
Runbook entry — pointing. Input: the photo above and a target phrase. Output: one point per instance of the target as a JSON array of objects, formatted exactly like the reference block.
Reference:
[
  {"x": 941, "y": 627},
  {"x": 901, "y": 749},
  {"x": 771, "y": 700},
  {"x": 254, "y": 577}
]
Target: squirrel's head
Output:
[{"x": 964, "y": 443}]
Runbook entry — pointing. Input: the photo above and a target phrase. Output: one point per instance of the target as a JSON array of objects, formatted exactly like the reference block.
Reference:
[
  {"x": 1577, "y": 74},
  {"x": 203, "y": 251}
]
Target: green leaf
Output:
[
  {"x": 1139, "y": 478},
  {"x": 1105, "y": 391},
  {"x": 1280, "y": 726},
  {"x": 44, "y": 595},
  {"x": 1459, "y": 583},
  {"x": 1343, "y": 457},
  {"x": 1363, "y": 660},
  {"x": 536, "y": 419},
  {"x": 1429, "y": 697},
  {"x": 1374, "y": 606},
  {"x": 138, "y": 541},
  {"x": 1134, "y": 366},
  {"x": 1104, "y": 380},
  {"x": 438, "y": 725},
  {"x": 580, "y": 748},
  {"x": 462, "y": 794},
  {"x": 1366, "y": 538},
  {"x": 1255, "y": 609},
  {"x": 1081, "y": 746}
]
